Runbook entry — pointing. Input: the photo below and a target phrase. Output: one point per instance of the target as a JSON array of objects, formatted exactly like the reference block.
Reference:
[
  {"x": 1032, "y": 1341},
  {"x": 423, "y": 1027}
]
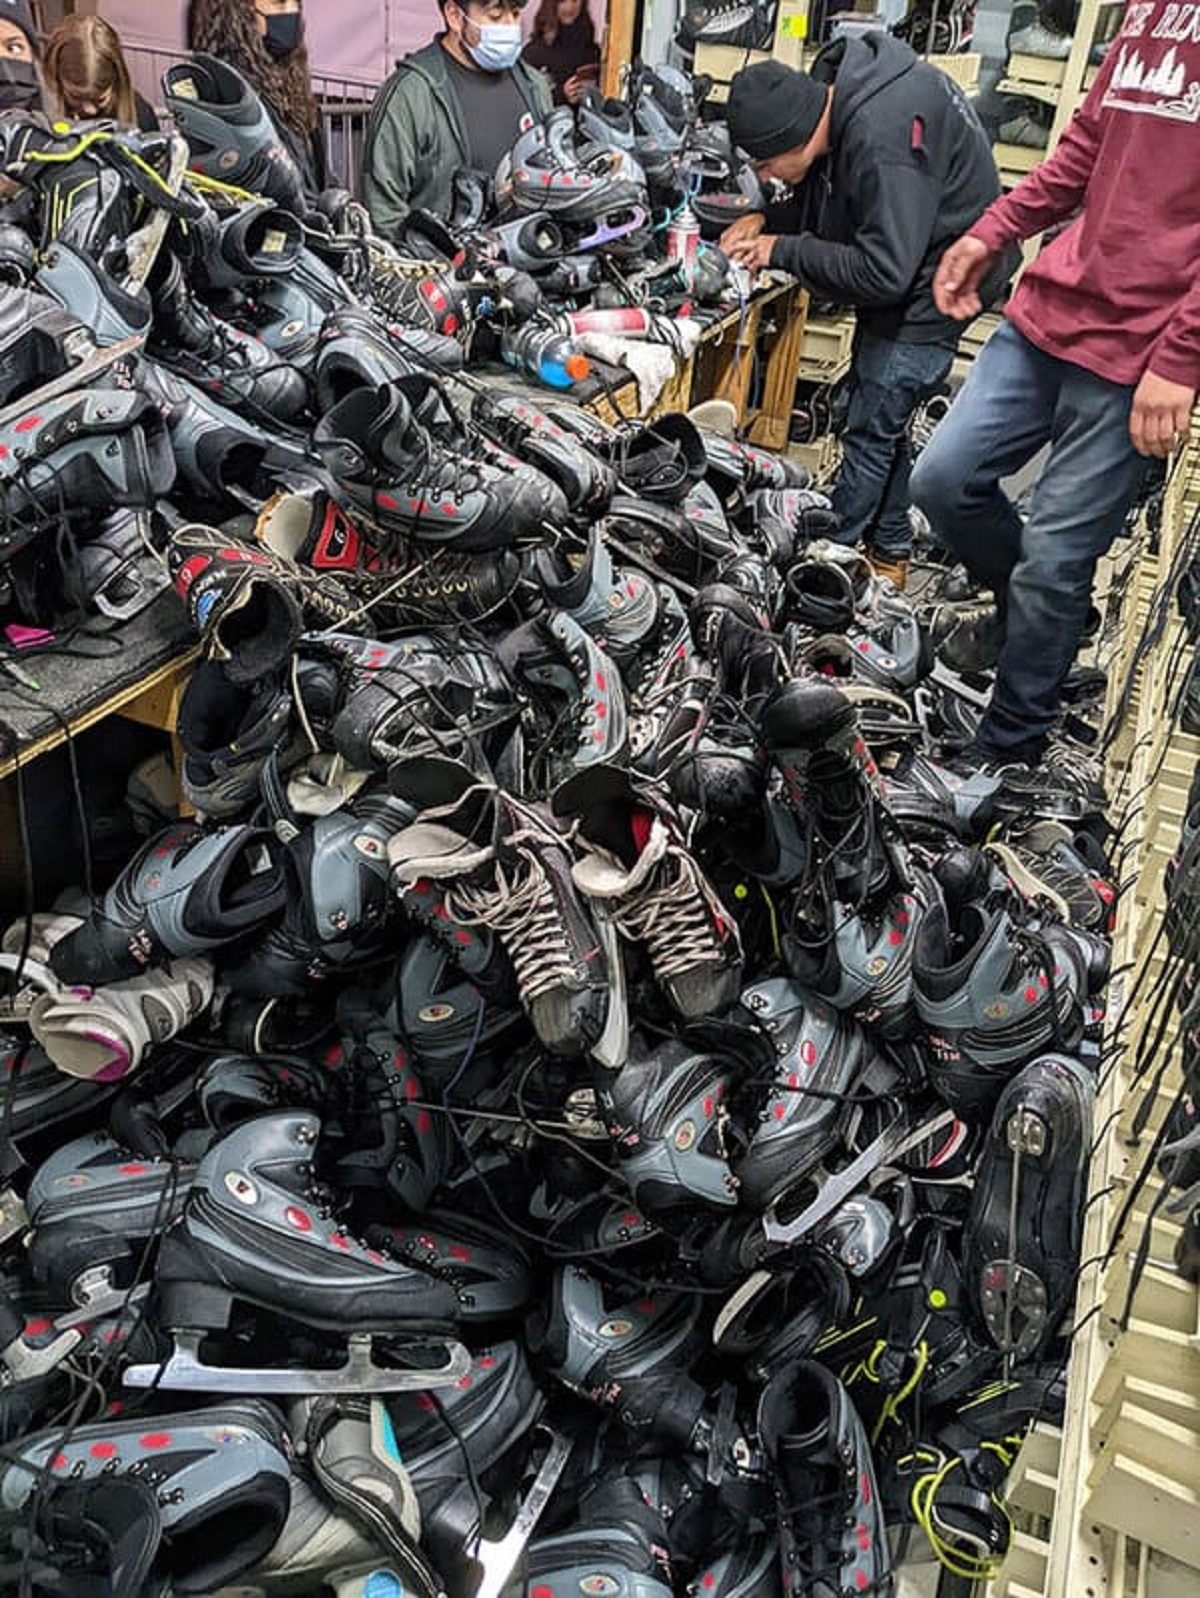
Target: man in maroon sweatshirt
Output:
[{"x": 1098, "y": 356}]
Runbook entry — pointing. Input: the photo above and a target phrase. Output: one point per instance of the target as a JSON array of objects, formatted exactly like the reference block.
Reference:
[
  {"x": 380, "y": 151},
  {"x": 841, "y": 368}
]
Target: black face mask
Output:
[
  {"x": 20, "y": 89},
  {"x": 282, "y": 35}
]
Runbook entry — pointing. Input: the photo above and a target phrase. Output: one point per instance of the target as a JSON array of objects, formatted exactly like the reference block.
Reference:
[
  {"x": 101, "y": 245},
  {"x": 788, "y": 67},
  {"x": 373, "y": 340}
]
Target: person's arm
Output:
[
  {"x": 1054, "y": 190},
  {"x": 390, "y": 161},
  {"x": 896, "y": 208}
]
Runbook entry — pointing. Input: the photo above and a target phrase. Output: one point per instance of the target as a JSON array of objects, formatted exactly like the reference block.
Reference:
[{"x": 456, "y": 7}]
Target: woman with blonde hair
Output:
[
  {"x": 265, "y": 43},
  {"x": 87, "y": 74}
]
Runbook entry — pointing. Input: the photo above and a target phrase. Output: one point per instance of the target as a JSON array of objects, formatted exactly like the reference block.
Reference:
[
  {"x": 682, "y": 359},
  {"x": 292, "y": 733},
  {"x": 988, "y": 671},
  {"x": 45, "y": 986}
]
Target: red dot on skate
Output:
[
  {"x": 102, "y": 1450},
  {"x": 156, "y": 1440}
]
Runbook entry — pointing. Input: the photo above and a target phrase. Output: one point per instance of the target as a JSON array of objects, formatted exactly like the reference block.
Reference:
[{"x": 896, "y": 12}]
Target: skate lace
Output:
[
  {"x": 672, "y": 918},
  {"x": 521, "y": 909},
  {"x": 819, "y": 1556}
]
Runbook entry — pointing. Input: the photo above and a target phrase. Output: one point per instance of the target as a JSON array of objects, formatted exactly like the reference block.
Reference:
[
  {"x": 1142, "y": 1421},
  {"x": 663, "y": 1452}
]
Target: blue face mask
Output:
[{"x": 499, "y": 46}]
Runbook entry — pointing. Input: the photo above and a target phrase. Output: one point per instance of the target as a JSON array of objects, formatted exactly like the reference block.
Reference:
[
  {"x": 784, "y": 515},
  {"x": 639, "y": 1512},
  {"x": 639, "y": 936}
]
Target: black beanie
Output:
[
  {"x": 19, "y": 14},
  {"x": 773, "y": 108}
]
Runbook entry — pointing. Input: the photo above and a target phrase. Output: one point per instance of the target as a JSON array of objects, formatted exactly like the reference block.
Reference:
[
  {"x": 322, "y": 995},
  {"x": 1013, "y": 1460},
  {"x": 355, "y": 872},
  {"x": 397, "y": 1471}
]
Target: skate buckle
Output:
[
  {"x": 1026, "y": 1133},
  {"x": 1013, "y": 1301},
  {"x": 499, "y": 1558},
  {"x": 13, "y": 1218},
  {"x": 185, "y": 1371}
]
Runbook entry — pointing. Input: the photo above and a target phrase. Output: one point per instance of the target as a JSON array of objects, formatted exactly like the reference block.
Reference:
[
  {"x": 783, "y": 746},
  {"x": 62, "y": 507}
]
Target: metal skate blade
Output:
[
  {"x": 142, "y": 247},
  {"x": 613, "y": 1048},
  {"x": 184, "y": 1371},
  {"x": 894, "y": 1141},
  {"x": 92, "y": 366},
  {"x": 13, "y": 1219},
  {"x": 499, "y": 1558}
]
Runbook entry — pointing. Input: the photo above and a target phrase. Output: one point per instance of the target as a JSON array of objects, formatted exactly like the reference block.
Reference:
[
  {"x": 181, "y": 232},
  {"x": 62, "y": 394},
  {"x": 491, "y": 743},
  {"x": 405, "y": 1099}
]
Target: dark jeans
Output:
[
  {"x": 888, "y": 380},
  {"x": 1015, "y": 400}
]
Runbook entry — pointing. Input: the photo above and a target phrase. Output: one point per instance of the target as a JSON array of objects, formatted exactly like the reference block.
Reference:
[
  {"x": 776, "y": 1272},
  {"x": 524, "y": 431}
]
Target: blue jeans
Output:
[
  {"x": 888, "y": 380},
  {"x": 1015, "y": 400}
]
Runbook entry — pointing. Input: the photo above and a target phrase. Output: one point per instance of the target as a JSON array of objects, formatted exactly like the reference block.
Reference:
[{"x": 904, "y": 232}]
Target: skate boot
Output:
[
  {"x": 355, "y": 350},
  {"x": 392, "y": 1146},
  {"x": 254, "y": 1230},
  {"x": 747, "y": 1571},
  {"x": 425, "y": 692},
  {"x": 617, "y": 607},
  {"x": 506, "y": 867},
  {"x": 103, "y": 1034},
  {"x": 861, "y": 960},
  {"x": 623, "y": 1351},
  {"x": 339, "y": 901},
  {"x": 229, "y": 131},
  {"x": 812, "y": 1048},
  {"x": 184, "y": 893},
  {"x": 637, "y": 873},
  {"x": 249, "y": 605},
  {"x": 813, "y": 733},
  {"x": 78, "y": 456},
  {"x": 229, "y": 733},
  {"x": 665, "y": 1109},
  {"x": 239, "y": 247},
  {"x": 1062, "y": 870},
  {"x": 668, "y": 690},
  {"x": 993, "y": 990},
  {"x": 924, "y": 795},
  {"x": 41, "y": 341},
  {"x": 587, "y": 481},
  {"x": 733, "y": 465},
  {"x": 741, "y": 24},
  {"x": 95, "y": 1208},
  {"x": 317, "y": 1550},
  {"x": 222, "y": 459},
  {"x": 40, "y": 1099},
  {"x": 484, "y": 1265},
  {"x": 1021, "y": 1240},
  {"x": 234, "y": 1088},
  {"x": 443, "y": 1012},
  {"x": 620, "y": 1543},
  {"x": 831, "y": 1530},
  {"x": 92, "y": 294},
  {"x": 234, "y": 368},
  {"x": 353, "y": 1452},
  {"x": 485, "y": 1418},
  {"x": 579, "y": 700},
  {"x": 400, "y": 457},
  {"x": 220, "y": 1476}
]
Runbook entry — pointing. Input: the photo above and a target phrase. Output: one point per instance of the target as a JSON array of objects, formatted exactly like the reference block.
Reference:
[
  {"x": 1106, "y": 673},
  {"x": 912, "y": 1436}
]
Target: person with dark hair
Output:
[
  {"x": 886, "y": 162},
  {"x": 87, "y": 75},
  {"x": 563, "y": 45},
  {"x": 264, "y": 40},
  {"x": 457, "y": 102},
  {"x": 21, "y": 87}
]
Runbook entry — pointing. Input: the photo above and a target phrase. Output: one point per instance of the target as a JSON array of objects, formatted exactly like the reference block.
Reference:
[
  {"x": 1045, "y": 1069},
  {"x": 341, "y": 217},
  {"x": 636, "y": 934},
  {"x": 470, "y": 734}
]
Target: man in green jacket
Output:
[{"x": 458, "y": 102}]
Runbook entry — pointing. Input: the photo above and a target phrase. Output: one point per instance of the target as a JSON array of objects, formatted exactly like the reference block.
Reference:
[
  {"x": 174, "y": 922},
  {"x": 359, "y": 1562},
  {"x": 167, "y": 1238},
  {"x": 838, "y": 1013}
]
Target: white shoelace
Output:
[
  {"x": 521, "y": 909},
  {"x": 671, "y": 918}
]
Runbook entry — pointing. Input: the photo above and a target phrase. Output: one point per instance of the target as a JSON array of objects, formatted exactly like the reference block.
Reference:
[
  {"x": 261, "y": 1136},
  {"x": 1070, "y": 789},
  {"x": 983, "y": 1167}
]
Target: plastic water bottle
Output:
[{"x": 545, "y": 353}]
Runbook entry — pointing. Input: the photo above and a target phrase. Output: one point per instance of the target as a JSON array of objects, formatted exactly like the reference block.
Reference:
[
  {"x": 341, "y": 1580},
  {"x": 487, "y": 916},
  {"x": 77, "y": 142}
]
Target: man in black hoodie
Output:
[{"x": 886, "y": 164}]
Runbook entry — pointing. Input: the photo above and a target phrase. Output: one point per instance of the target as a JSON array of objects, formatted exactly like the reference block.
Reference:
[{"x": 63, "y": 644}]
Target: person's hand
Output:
[
  {"x": 573, "y": 89},
  {"x": 1161, "y": 414},
  {"x": 959, "y": 274},
  {"x": 753, "y": 254},
  {"x": 746, "y": 227}
]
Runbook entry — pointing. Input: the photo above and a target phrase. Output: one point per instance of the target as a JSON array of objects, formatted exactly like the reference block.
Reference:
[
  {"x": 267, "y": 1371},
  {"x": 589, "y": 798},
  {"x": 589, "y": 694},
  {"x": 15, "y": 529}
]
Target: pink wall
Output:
[{"x": 357, "y": 39}]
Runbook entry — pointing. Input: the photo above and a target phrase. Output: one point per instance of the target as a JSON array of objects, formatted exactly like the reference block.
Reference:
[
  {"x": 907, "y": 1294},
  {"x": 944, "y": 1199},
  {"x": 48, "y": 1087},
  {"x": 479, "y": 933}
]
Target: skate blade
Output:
[
  {"x": 897, "y": 1139},
  {"x": 499, "y": 1558},
  {"x": 1013, "y": 1301},
  {"x": 25, "y": 1364},
  {"x": 100, "y": 1301},
  {"x": 185, "y": 1371},
  {"x": 613, "y": 1048},
  {"x": 81, "y": 375}
]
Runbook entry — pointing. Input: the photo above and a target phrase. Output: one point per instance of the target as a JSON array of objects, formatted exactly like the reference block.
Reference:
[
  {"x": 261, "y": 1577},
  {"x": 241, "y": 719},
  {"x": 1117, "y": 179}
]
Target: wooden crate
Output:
[
  {"x": 1037, "y": 69},
  {"x": 963, "y": 67},
  {"x": 1014, "y": 161},
  {"x": 825, "y": 348},
  {"x": 822, "y": 457}
]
